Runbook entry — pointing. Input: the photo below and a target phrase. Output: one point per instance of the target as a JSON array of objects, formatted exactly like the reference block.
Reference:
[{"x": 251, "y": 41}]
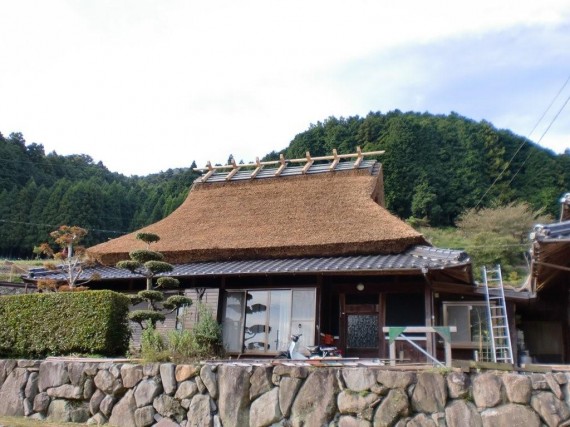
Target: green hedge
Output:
[{"x": 90, "y": 322}]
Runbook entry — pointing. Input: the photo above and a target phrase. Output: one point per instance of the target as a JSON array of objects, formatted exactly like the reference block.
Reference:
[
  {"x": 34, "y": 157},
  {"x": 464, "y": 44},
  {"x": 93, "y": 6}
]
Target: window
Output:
[
  {"x": 262, "y": 321},
  {"x": 470, "y": 318}
]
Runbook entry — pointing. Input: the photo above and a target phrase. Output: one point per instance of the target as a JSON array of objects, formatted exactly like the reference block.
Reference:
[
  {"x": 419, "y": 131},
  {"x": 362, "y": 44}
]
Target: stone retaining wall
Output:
[{"x": 241, "y": 395}]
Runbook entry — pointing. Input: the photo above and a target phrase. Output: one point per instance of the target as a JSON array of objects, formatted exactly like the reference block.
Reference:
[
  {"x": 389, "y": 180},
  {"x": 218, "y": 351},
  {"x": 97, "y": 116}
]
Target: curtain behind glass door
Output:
[{"x": 233, "y": 322}]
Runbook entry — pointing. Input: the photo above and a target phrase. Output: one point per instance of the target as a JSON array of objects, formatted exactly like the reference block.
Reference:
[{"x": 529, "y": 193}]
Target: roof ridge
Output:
[{"x": 282, "y": 167}]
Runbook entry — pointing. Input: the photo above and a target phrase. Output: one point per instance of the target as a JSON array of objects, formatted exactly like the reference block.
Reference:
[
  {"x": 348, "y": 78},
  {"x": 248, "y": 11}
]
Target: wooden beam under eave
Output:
[
  {"x": 467, "y": 290},
  {"x": 555, "y": 266}
]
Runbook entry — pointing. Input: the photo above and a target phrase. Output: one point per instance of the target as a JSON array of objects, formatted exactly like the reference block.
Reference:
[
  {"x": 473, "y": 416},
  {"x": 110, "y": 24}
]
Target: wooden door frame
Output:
[{"x": 380, "y": 306}]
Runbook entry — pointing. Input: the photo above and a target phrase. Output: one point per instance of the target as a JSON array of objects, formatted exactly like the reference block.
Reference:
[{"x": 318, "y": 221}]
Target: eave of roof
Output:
[
  {"x": 550, "y": 233},
  {"x": 416, "y": 260},
  {"x": 550, "y": 254}
]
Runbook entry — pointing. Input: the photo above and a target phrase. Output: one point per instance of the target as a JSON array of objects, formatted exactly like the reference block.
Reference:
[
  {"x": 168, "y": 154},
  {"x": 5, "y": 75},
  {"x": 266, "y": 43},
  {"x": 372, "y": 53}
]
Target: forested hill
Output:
[
  {"x": 39, "y": 192},
  {"x": 435, "y": 167}
]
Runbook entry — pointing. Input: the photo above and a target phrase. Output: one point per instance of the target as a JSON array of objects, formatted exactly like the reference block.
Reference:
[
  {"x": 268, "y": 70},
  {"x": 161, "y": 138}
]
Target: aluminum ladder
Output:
[{"x": 501, "y": 349}]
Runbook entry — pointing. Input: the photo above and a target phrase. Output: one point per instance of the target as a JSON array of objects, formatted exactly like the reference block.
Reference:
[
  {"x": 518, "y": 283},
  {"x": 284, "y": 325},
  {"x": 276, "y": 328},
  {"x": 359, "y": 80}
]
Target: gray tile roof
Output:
[
  {"x": 555, "y": 232},
  {"x": 418, "y": 258}
]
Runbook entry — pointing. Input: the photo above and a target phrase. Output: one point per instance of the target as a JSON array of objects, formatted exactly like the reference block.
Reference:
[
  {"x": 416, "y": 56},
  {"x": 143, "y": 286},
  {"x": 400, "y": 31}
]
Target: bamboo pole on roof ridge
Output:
[
  {"x": 282, "y": 162},
  {"x": 359, "y": 155}
]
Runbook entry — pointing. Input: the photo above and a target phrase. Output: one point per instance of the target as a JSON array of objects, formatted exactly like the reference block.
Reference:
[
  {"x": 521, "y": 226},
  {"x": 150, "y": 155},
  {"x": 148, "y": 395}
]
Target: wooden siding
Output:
[{"x": 210, "y": 299}]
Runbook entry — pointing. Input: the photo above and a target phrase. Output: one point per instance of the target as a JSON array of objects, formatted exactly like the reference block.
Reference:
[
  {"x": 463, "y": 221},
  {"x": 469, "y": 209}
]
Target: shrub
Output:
[
  {"x": 153, "y": 348},
  {"x": 181, "y": 345},
  {"x": 37, "y": 325},
  {"x": 202, "y": 341},
  {"x": 207, "y": 333}
]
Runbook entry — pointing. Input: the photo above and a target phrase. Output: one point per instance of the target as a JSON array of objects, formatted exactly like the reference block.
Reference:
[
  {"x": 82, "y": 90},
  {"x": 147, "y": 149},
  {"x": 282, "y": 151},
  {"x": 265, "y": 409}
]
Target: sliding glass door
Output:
[{"x": 261, "y": 321}]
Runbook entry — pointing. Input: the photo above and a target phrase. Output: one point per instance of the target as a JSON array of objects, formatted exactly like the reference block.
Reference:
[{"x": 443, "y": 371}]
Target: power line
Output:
[
  {"x": 524, "y": 142},
  {"x": 7, "y": 221},
  {"x": 544, "y": 133}
]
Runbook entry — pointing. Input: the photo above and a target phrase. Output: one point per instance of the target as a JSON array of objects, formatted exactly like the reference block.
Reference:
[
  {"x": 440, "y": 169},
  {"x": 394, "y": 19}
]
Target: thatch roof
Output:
[{"x": 324, "y": 214}]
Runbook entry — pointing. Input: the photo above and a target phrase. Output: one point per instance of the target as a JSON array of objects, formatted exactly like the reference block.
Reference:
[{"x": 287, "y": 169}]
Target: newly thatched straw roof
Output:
[{"x": 325, "y": 214}]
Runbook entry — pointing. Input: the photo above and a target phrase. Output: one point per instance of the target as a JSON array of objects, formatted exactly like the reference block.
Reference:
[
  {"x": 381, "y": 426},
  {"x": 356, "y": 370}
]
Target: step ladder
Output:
[{"x": 500, "y": 346}]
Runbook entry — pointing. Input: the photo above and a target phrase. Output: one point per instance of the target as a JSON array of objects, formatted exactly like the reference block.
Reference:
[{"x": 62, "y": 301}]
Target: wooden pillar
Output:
[
  {"x": 381, "y": 324},
  {"x": 342, "y": 322},
  {"x": 319, "y": 296},
  {"x": 221, "y": 299},
  {"x": 565, "y": 326},
  {"x": 428, "y": 307},
  {"x": 511, "y": 316}
]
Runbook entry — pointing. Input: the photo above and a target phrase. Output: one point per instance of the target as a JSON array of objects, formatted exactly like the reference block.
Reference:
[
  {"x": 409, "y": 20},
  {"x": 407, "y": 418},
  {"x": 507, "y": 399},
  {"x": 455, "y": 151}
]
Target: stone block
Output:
[
  {"x": 421, "y": 420},
  {"x": 350, "y": 421},
  {"x": 168, "y": 377},
  {"x": 208, "y": 377},
  {"x": 169, "y": 407},
  {"x": 12, "y": 393},
  {"x": 430, "y": 393},
  {"x": 288, "y": 388},
  {"x": 265, "y": 410},
  {"x": 260, "y": 381},
  {"x": 395, "y": 379},
  {"x": 350, "y": 402},
  {"x": 146, "y": 391},
  {"x": 52, "y": 374},
  {"x": 199, "y": 412},
  {"x": 186, "y": 390},
  {"x": 487, "y": 390},
  {"x": 551, "y": 409},
  {"x": 106, "y": 405},
  {"x": 315, "y": 404},
  {"x": 460, "y": 413},
  {"x": 185, "y": 372},
  {"x": 131, "y": 375},
  {"x": 95, "y": 401},
  {"x": 66, "y": 391},
  {"x": 41, "y": 402},
  {"x": 144, "y": 417},
  {"x": 291, "y": 371},
  {"x": 359, "y": 379},
  {"x": 518, "y": 388},
  {"x": 553, "y": 385},
  {"x": 394, "y": 406},
  {"x": 458, "y": 385},
  {"x": 123, "y": 413},
  {"x": 510, "y": 414}
]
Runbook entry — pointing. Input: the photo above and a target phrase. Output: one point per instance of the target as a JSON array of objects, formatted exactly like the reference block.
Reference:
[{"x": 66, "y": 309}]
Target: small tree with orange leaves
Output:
[{"x": 70, "y": 258}]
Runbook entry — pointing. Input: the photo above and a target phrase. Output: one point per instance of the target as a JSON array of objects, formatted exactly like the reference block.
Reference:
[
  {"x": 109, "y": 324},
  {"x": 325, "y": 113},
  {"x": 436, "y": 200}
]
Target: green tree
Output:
[
  {"x": 499, "y": 235},
  {"x": 150, "y": 264}
]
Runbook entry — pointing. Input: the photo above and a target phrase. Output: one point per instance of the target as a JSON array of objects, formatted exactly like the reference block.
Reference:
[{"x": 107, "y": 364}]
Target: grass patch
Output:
[
  {"x": 26, "y": 422},
  {"x": 10, "y": 271}
]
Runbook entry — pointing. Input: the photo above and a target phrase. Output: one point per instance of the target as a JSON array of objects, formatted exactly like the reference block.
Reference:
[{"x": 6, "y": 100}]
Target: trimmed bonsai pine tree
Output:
[
  {"x": 150, "y": 264},
  {"x": 70, "y": 257}
]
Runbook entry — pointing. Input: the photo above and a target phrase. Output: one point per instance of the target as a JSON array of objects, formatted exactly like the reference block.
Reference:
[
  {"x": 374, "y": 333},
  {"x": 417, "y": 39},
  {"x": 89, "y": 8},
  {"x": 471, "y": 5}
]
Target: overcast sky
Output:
[{"x": 148, "y": 85}]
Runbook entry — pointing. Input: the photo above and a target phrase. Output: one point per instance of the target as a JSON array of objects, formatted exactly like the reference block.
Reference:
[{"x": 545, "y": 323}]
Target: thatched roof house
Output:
[
  {"x": 311, "y": 242},
  {"x": 297, "y": 215}
]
